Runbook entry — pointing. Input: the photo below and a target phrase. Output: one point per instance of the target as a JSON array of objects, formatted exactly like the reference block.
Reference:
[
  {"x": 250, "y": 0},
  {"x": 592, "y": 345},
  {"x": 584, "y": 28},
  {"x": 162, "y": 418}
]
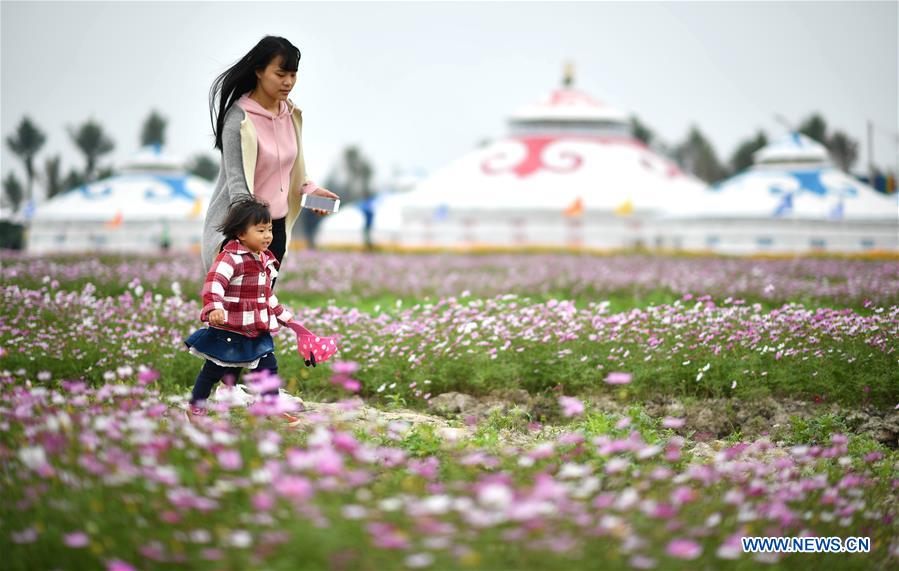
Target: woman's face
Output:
[{"x": 274, "y": 81}]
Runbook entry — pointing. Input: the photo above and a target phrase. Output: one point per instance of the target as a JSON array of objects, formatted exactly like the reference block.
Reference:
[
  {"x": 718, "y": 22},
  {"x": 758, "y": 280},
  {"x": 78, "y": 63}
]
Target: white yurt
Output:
[
  {"x": 568, "y": 173},
  {"x": 793, "y": 199},
  {"x": 150, "y": 204}
]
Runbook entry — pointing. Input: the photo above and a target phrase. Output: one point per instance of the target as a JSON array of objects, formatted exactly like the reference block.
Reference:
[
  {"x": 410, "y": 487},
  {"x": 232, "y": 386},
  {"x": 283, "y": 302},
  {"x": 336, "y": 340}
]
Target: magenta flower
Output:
[
  {"x": 294, "y": 487},
  {"x": 328, "y": 462},
  {"x": 618, "y": 378},
  {"x": 672, "y": 422},
  {"x": 147, "y": 376},
  {"x": 118, "y": 565},
  {"x": 263, "y": 382},
  {"x": 263, "y": 501},
  {"x": 211, "y": 554},
  {"x": 28, "y": 535},
  {"x": 571, "y": 406},
  {"x": 345, "y": 367},
  {"x": 684, "y": 549},
  {"x": 230, "y": 460},
  {"x": 76, "y": 539}
]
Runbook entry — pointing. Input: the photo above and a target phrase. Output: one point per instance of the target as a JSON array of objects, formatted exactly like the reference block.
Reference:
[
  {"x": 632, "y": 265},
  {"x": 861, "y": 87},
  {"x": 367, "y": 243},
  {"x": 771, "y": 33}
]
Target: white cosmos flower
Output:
[
  {"x": 496, "y": 496},
  {"x": 33, "y": 456}
]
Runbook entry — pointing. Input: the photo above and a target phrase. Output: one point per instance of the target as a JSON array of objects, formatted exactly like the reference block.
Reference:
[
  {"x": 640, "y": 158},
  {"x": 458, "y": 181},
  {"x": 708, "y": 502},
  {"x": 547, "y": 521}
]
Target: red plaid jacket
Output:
[{"x": 240, "y": 283}]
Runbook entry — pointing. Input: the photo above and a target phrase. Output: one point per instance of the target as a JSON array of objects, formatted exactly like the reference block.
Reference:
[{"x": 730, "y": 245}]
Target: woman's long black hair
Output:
[{"x": 241, "y": 78}]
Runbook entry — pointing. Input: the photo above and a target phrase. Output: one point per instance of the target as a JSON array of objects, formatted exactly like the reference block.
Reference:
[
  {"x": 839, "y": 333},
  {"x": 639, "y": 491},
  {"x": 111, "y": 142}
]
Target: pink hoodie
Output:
[{"x": 276, "y": 153}]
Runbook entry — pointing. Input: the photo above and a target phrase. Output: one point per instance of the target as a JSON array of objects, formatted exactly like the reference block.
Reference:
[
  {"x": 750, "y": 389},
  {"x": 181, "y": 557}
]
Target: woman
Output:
[{"x": 259, "y": 133}]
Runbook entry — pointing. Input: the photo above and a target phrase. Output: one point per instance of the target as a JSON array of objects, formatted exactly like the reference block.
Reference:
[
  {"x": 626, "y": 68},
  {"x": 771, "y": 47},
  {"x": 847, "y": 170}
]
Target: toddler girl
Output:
[{"x": 238, "y": 304}]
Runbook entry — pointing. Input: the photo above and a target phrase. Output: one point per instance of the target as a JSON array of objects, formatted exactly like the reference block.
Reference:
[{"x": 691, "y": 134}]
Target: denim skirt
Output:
[{"x": 229, "y": 349}]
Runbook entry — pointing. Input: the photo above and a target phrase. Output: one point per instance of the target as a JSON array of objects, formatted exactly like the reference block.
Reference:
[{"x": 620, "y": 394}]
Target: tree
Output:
[
  {"x": 204, "y": 167},
  {"x": 843, "y": 150},
  {"x": 73, "y": 180},
  {"x": 13, "y": 191},
  {"x": 93, "y": 143},
  {"x": 742, "y": 157},
  {"x": 642, "y": 131},
  {"x": 815, "y": 127},
  {"x": 697, "y": 156},
  {"x": 153, "y": 131},
  {"x": 105, "y": 172},
  {"x": 53, "y": 176},
  {"x": 25, "y": 144}
]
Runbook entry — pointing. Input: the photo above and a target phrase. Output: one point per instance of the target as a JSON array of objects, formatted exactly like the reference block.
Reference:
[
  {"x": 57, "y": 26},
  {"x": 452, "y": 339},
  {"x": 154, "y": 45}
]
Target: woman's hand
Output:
[{"x": 324, "y": 193}]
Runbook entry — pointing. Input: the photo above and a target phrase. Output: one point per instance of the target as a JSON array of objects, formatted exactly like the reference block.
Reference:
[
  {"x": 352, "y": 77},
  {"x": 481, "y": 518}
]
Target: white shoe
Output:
[{"x": 237, "y": 395}]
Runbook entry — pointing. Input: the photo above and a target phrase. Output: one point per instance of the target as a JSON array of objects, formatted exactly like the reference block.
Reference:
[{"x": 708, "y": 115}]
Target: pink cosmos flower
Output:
[
  {"x": 263, "y": 382},
  {"x": 328, "y": 462},
  {"x": 345, "y": 367},
  {"x": 211, "y": 554},
  {"x": 294, "y": 487},
  {"x": 28, "y": 535},
  {"x": 263, "y": 501},
  {"x": 147, "y": 376},
  {"x": 230, "y": 460},
  {"x": 684, "y": 549},
  {"x": 618, "y": 378},
  {"x": 76, "y": 539},
  {"x": 642, "y": 562},
  {"x": 118, "y": 565},
  {"x": 571, "y": 406},
  {"x": 672, "y": 422}
]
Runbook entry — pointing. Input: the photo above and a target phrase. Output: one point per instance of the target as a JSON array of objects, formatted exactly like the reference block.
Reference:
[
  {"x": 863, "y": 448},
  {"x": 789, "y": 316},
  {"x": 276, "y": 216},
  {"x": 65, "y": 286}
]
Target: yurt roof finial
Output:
[{"x": 568, "y": 75}]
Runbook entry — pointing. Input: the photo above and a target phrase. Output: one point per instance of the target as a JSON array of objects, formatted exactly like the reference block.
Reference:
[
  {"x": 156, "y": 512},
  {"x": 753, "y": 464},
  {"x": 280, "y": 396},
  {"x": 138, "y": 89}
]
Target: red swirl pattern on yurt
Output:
[{"x": 539, "y": 155}]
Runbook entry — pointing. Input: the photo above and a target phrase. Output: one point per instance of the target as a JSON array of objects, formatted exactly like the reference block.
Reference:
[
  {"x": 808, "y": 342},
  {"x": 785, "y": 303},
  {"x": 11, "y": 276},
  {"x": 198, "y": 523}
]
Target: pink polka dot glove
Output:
[{"x": 313, "y": 348}]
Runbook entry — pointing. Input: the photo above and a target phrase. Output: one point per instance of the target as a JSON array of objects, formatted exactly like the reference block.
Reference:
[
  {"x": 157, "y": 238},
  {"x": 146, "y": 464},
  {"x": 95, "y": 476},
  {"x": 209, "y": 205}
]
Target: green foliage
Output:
[
  {"x": 13, "y": 190},
  {"x": 25, "y": 144},
  {"x": 742, "y": 157},
  {"x": 153, "y": 130},
  {"x": 697, "y": 156},
  {"x": 204, "y": 166},
  {"x": 93, "y": 143}
]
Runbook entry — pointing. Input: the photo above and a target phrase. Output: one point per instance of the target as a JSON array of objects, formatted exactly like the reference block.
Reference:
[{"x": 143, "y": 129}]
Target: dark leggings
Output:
[{"x": 211, "y": 373}]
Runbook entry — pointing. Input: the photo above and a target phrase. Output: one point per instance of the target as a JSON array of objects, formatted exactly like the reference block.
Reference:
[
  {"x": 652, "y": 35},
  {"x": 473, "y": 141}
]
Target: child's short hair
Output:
[{"x": 243, "y": 213}]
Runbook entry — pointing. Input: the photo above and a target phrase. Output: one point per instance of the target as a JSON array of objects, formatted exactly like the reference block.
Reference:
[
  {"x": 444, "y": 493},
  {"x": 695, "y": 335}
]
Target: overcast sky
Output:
[{"x": 418, "y": 84}]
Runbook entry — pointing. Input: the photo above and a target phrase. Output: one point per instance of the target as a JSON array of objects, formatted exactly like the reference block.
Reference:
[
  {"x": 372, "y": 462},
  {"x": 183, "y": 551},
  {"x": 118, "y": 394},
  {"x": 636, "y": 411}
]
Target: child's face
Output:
[{"x": 257, "y": 237}]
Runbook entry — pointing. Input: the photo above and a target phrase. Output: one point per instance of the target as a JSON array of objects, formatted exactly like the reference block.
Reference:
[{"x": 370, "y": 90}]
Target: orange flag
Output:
[
  {"x": 116, "y": 220},
  {"x": 197, "y": 209},
  {"x": 575, "y": 209},
  {"x": 624, "y": 208}
]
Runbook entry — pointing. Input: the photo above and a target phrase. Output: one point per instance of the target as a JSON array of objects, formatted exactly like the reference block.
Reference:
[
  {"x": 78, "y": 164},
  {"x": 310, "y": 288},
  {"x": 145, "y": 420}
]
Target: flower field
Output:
[{"x": 615, "y": 412}]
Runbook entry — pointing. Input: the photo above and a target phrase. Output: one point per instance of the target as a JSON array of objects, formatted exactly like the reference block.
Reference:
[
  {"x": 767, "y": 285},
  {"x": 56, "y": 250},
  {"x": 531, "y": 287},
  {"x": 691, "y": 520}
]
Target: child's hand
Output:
[{"x": 216, "y": 317}]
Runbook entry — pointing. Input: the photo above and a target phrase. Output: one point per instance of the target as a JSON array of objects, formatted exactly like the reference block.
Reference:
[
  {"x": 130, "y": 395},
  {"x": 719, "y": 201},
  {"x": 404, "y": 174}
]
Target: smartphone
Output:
[{"x": 320, "y": 202}]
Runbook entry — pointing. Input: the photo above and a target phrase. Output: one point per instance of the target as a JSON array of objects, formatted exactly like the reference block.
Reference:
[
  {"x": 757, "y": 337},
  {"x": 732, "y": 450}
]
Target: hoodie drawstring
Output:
[{"x": 278, "y": 148}]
